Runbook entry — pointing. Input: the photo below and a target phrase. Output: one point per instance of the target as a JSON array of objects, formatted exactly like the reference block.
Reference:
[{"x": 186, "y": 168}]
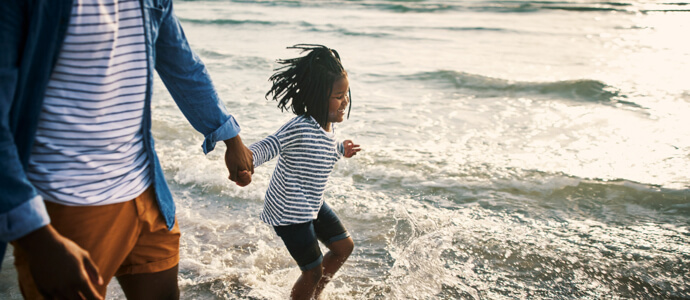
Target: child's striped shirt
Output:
[{"x": 307, "y": 155}]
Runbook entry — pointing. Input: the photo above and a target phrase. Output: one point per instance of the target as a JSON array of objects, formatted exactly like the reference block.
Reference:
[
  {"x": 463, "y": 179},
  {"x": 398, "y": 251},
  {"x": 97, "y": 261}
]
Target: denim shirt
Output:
[{"x": 31, "y": 36}]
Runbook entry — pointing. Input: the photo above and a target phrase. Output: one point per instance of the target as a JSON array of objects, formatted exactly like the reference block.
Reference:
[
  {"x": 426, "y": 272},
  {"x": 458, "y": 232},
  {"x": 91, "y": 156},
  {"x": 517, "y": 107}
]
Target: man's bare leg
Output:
[{"x": 159, "y": 285}]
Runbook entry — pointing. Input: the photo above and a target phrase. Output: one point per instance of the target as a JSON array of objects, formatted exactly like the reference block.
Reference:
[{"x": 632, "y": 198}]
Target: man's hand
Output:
[
  {"x": 60, "y": 268},
  {"x": 244, "y": 178},
  {"x": 238, "y": 158},
  {"x": 350, "y": 148}
]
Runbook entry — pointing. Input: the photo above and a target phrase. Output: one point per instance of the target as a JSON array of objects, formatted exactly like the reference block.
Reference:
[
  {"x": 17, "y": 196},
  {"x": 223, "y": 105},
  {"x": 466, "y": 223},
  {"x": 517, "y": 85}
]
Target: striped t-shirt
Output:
[
  {"x": 307, "y": 155},
  {"x": 89, "y": 148}
]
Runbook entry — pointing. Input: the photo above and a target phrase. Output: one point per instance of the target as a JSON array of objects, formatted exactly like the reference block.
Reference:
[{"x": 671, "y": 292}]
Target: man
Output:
[{"x": 75, "y": 131}]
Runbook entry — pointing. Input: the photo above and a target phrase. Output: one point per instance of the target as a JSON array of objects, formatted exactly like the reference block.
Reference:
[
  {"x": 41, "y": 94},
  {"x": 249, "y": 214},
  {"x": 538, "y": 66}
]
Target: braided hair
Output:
[{"x": 304, "y": 84}]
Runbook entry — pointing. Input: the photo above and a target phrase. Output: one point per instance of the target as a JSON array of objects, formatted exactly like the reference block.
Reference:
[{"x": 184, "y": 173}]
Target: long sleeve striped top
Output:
[{"x": 306, "y": 156}]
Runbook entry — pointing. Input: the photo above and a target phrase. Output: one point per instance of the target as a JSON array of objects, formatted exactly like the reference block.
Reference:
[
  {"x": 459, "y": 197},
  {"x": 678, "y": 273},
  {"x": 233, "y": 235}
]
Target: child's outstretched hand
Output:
[
  {"x": 350, "y": 148},
  {"x": 244, "y": 178}
]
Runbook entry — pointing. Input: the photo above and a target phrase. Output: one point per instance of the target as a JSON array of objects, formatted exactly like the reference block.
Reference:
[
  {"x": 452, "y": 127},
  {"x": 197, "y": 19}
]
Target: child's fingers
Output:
[{"x": 351, "y": 146}]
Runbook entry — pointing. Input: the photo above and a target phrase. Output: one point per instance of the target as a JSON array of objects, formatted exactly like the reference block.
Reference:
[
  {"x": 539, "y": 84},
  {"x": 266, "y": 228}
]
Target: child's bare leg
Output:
[
  {"x": 333, "y": 260},
  {"x": 306, "y": 284}
]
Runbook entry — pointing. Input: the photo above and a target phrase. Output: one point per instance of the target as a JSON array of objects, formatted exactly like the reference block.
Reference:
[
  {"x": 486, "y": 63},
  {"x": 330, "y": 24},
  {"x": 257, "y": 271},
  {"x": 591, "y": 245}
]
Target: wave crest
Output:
[
  {"x": 226, "y": 22},
  {"x": 497, "y": 6},
  {"x": 588, "y": 90}
]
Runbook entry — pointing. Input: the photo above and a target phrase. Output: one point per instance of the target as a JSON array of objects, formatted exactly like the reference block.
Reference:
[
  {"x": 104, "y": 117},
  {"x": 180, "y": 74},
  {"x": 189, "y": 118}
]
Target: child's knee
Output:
[
  {"x": 314, "y": 274},
  {"x": 344, "y": 247},
  {"x": 350, "y": 246}
]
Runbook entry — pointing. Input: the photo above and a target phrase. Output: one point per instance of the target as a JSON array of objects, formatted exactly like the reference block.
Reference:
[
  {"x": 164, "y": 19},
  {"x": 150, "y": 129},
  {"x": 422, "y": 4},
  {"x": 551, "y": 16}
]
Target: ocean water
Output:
[{"x": 511, "y": 149}]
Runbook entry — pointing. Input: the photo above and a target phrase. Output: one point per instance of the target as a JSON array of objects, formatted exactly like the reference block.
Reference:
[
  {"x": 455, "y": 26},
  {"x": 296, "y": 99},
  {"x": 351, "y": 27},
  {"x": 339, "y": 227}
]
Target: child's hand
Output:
[
  {"x": 350, "y": 148},
  {"x": 244, "y": 178}
]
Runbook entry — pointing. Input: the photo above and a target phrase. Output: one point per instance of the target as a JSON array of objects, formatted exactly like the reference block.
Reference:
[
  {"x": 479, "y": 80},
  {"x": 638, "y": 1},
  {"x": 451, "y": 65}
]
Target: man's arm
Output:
[
  {"x": 21, "y": 211},
  {"x": 190, "y": 85},
  {"x": 59, "y": 267}
]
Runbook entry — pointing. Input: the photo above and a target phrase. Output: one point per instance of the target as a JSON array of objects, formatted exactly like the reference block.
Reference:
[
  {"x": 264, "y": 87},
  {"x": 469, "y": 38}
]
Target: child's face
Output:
[{"x": 337, "y": 103}]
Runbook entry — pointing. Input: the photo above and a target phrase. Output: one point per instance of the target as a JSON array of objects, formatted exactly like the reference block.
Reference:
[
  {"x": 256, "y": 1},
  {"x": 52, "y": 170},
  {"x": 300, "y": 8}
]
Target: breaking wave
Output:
[{"x": 587, "y": 90}]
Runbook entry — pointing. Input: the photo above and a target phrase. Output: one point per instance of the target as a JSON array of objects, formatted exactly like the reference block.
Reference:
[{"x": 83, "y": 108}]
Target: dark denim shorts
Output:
[{"x": 302, "y": 239}]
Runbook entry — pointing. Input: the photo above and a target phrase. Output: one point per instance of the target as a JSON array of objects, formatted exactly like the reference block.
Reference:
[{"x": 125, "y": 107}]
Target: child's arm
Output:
[
  {"x": 262, "y": 151},
  {"x": 350, "y": 148},
  {"x": 265, "y": 150}
]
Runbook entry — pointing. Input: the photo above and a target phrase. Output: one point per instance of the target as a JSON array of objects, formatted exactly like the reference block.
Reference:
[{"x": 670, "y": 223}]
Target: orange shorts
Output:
[{"x": 123, "y": 238}]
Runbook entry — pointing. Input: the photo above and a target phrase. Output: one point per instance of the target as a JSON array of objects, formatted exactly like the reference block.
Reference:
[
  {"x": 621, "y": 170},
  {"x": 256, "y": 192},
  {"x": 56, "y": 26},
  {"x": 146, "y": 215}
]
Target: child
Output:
[{"x": 316, "y": 88}]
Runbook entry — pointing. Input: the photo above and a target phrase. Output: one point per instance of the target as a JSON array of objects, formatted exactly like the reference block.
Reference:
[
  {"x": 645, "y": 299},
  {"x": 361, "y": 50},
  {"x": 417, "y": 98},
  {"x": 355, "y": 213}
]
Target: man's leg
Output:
[
  {"x": 150, "y": 269},
  {"x": 160, "y": 285}
]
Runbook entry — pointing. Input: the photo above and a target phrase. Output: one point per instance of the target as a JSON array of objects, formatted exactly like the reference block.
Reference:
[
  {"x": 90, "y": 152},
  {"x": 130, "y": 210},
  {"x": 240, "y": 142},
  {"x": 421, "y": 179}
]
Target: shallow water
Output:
[{"x": 512, "y": 149}]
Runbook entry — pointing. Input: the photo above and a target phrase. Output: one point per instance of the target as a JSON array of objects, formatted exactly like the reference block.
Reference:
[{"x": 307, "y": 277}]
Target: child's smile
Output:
[{"x": 337, "y": 103}]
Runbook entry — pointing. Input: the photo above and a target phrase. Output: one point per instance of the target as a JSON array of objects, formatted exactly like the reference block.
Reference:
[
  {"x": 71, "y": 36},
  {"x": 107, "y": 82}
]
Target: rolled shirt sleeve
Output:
[
  {"x": 228, "y": 130},
  {"x": 23, "y": 219}
]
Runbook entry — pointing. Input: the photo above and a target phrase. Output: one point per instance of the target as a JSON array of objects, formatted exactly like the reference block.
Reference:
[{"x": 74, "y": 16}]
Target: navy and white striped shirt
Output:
[
  {"x": 307, "y": 156},
  {"x": 89, "y": 148}
]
